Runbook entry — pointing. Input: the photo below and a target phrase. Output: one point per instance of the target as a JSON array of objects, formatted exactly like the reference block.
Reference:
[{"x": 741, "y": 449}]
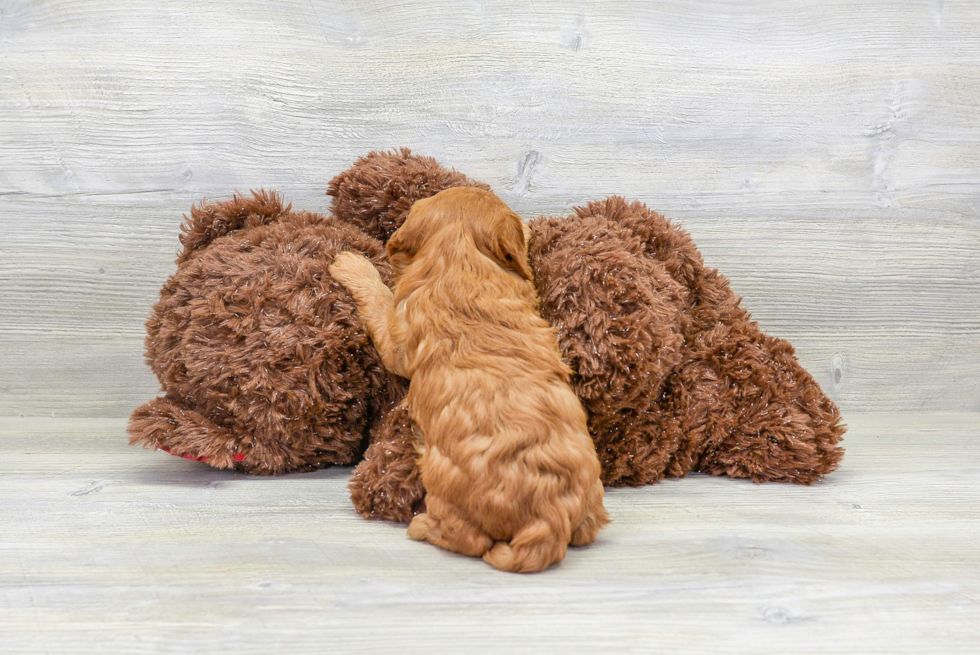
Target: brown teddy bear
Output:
[
  {"x": 266, "y": 368},
  {"x": 673, "y": 372},
  {"x": 260, "y": 353}
]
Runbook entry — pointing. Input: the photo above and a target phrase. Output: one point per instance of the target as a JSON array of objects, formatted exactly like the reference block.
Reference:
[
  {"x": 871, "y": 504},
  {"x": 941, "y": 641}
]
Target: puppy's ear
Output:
[
  {"x": 402, "y": 247},
  {"x": 501, "y": 238}
]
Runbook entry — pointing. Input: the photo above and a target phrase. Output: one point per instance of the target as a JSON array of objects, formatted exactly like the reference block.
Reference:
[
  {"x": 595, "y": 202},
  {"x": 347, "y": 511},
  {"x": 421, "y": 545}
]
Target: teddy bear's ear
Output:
[
  {"x": 209, "y": 221},
  {"x": 377, "y": 192}
]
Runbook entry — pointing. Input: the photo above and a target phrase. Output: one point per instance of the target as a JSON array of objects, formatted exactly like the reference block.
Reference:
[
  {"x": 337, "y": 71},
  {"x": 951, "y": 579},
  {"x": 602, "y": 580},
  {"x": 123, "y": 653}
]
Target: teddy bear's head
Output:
[
  {"x": 376, "y": 193},
  {"x": 260, "y": 353}
]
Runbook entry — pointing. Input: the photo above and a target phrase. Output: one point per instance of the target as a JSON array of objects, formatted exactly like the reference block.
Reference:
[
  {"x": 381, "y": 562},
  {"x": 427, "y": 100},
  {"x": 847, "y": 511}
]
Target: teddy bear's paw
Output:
[
  {"x": 167, "y": 424},
  {"x": 391, "y": 495},
  {"x": 387, "y": 484},
  {"x": 204, "y": 459}
]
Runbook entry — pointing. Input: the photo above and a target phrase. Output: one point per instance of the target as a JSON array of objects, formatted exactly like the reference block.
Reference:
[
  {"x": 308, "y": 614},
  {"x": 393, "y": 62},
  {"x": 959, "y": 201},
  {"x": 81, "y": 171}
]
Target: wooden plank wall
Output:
[{"x": 824, "y": 155}]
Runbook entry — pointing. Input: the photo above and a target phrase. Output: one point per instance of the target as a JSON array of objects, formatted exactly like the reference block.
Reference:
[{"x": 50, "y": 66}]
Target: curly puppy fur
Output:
[
  {"x": 673, "y": 372},
  {"x": 508, "y": 464},
  {"x": 259, "y": 351}
]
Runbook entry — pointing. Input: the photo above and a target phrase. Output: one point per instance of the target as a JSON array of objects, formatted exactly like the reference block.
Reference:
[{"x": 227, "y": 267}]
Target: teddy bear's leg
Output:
[
  {"x": 167, "y": 424},
  {"x": 758, "y": 412},
  {"x": 741, "y": 404},
  {"x": 387, "y": 483},
  {"x": 633, "y": 449}
]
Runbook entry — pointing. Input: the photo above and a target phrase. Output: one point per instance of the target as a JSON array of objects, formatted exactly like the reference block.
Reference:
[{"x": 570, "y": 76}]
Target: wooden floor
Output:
[{"x": 110, "y": 549}]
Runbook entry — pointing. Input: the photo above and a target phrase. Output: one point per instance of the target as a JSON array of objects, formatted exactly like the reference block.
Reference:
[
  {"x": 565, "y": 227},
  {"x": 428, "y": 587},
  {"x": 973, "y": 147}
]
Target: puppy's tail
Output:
[{"x": 535, "y": 547}]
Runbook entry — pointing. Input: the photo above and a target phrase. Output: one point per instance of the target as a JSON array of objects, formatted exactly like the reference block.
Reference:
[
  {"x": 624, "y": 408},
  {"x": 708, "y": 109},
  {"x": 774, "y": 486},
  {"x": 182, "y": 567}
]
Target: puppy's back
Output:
[{"x": 508, "y": 452}]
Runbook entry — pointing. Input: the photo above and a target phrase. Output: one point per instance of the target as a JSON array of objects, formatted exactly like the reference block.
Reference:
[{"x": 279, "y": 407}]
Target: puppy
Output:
[{"x": 510, "y": 471}]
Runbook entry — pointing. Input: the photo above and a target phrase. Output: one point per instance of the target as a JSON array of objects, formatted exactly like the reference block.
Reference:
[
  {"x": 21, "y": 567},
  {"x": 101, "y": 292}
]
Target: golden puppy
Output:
[{"x": 509, "y": 468}]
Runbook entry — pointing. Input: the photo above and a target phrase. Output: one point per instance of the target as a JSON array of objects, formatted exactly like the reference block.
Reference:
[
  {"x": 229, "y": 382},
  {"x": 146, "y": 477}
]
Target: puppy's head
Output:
[{"x": 495, "y": 230}]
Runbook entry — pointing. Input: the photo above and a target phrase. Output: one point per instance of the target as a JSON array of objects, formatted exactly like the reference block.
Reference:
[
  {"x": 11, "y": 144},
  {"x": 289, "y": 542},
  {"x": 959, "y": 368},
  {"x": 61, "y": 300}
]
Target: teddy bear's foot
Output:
[
  {"x": 778, "y": 442},
  {"x": 387, "y": 483},
  {"x": 760, "y": 414},
  {"x": 167, "y": 424}
]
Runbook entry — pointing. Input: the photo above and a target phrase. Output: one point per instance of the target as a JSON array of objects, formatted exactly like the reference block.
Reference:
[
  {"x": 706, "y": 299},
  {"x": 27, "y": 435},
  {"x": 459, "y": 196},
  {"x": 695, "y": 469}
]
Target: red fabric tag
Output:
[{"x": 238, "y": 457}]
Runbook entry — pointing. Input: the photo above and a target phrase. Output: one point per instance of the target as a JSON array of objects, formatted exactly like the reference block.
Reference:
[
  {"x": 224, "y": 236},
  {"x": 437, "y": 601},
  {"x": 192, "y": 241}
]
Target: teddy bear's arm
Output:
[{"x": 375, "y": 303}]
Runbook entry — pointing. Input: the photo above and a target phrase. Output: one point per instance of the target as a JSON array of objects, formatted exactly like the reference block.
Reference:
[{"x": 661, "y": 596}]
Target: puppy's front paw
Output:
[{"x": 352, "y": 269}]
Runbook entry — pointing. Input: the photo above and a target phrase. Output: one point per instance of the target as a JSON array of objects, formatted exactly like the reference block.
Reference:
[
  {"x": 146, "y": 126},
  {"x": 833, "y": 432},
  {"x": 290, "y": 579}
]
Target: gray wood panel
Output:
[
  {"x": 825, "y": 156},
  {"x": 109, "y": 549}
]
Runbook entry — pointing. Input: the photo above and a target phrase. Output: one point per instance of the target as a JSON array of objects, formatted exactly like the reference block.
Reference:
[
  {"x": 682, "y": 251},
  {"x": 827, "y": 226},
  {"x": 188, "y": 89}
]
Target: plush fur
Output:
[
  {"x": 262, "y": 359},
  {"x": 387, "y": 483},
  {"x": 510, "y": 471},
  {"x": 673, "y": 372},
  {"x": 265, "y": 367},
  {"x": 377, "y": 192}
]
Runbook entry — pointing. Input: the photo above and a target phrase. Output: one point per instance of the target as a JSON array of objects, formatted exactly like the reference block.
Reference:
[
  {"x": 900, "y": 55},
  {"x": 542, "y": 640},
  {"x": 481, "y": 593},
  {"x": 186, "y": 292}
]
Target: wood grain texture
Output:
[
  {"x": 825, "y": 156},
  {"x": 109, "y": 549}
]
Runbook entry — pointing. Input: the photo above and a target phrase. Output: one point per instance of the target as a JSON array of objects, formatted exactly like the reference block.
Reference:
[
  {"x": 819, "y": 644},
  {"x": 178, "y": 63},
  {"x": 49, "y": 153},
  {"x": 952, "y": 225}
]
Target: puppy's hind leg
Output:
[
  {"x": 595, "y": 517},
  {"x": 535, "y": 547},
  {"x": 443, "y": 526}
]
